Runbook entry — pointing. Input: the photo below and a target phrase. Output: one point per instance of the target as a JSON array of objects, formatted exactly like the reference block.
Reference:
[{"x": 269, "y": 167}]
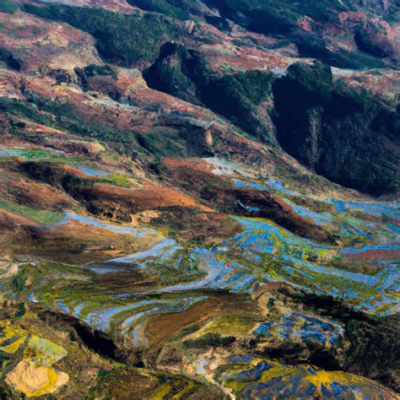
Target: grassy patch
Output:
[
  {"x": 116, "y": 180},
  {"x": 43, "y": 217}
]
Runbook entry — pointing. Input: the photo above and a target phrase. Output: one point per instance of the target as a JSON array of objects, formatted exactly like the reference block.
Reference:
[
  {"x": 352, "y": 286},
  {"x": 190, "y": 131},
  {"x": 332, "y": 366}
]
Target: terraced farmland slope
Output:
[{"x": 199, "y": 199}]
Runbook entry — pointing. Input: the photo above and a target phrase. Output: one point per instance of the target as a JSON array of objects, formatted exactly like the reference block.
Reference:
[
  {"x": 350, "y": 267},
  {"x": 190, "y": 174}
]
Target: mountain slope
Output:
[{"x": 189, "y": 199}]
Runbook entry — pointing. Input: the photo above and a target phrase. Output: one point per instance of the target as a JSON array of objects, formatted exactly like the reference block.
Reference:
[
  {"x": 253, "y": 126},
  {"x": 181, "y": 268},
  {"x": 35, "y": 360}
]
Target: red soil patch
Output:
[
  {"x": 120, "y": 6},
  {"x": 151, "y": 197},
  {"x": 370, "y": 255},
  {"x": 162, "y": 327},
  {"x": 9, "y": 220},
  {"x": 38, "y": 42},
  {"x": 39, "y": 195}
]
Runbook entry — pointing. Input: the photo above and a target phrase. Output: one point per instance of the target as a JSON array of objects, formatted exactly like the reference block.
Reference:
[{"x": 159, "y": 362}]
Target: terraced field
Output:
[
  {"x": 194, "y": 308},
  {"x": 199, "y": 200}
]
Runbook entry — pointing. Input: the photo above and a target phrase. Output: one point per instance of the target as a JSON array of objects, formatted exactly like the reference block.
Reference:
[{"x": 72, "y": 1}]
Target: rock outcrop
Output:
[{"x": 349, "y": 137}]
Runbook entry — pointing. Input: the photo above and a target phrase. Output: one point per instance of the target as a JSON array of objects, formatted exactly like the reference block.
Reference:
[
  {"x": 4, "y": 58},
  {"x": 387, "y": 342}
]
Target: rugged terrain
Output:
[{"x": 199, "y": 199}]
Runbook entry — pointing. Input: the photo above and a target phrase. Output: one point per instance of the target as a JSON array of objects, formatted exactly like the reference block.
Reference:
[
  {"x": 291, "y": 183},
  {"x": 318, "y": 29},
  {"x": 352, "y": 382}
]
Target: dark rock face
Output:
[
  {"x": 177, "y": 71},
  {"x": 349, "y": 138},
  {"x": 8, "y": 58},
  {"x": 240, "y": 97}
]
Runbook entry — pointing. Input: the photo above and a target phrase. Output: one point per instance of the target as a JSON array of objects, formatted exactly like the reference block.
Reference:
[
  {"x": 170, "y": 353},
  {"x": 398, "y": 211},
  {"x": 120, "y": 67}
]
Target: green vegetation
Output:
[
  {"x": 43, "y": 217},
  {"x": 185, "y": 73},
  {"x": 8, "y": 6},
  {"x": 253, "y": 85},
  {"x": 21, "y": 310},
  {"x": 315, "y": 46},
  {"x": 25, "y": 109},
  {"x": 161, "y": 144},
  {"x": 179, "y": 71},
  {"x": 312, "y": 84},
  {"x": 278, "y": 17},
  {"x": 374, "y": 348},
  {"x": 63, "y": 115},
  {"x": 18, "y": 282},
  {"x": 120, "y": 38},
  {"x": 180, "y": 9},
  {"x": 8, "y": 58},
  {"x": 173, "y": 8},
  {"x": 314, "y": 115},
  {"x": 117, "y": 180},
  {"x": 210, "y": 339},
  {"x": 237, "y": 97},
  {"x": 264, "y": 17},
  {"x": 96, "y": 70},
  {"x": 27, "y": 154},
  {"x": 275, "y": 16}
]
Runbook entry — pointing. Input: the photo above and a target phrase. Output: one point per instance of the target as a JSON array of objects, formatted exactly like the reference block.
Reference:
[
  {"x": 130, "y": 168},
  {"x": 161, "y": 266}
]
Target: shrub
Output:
[
  {"x": 7, "y": 57},
  {"x": 173, "y": 8},
  {"x": 210, "y": 339},
  {"x": 8, "y": 6},
  {"x": 120, "y": 38}
]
